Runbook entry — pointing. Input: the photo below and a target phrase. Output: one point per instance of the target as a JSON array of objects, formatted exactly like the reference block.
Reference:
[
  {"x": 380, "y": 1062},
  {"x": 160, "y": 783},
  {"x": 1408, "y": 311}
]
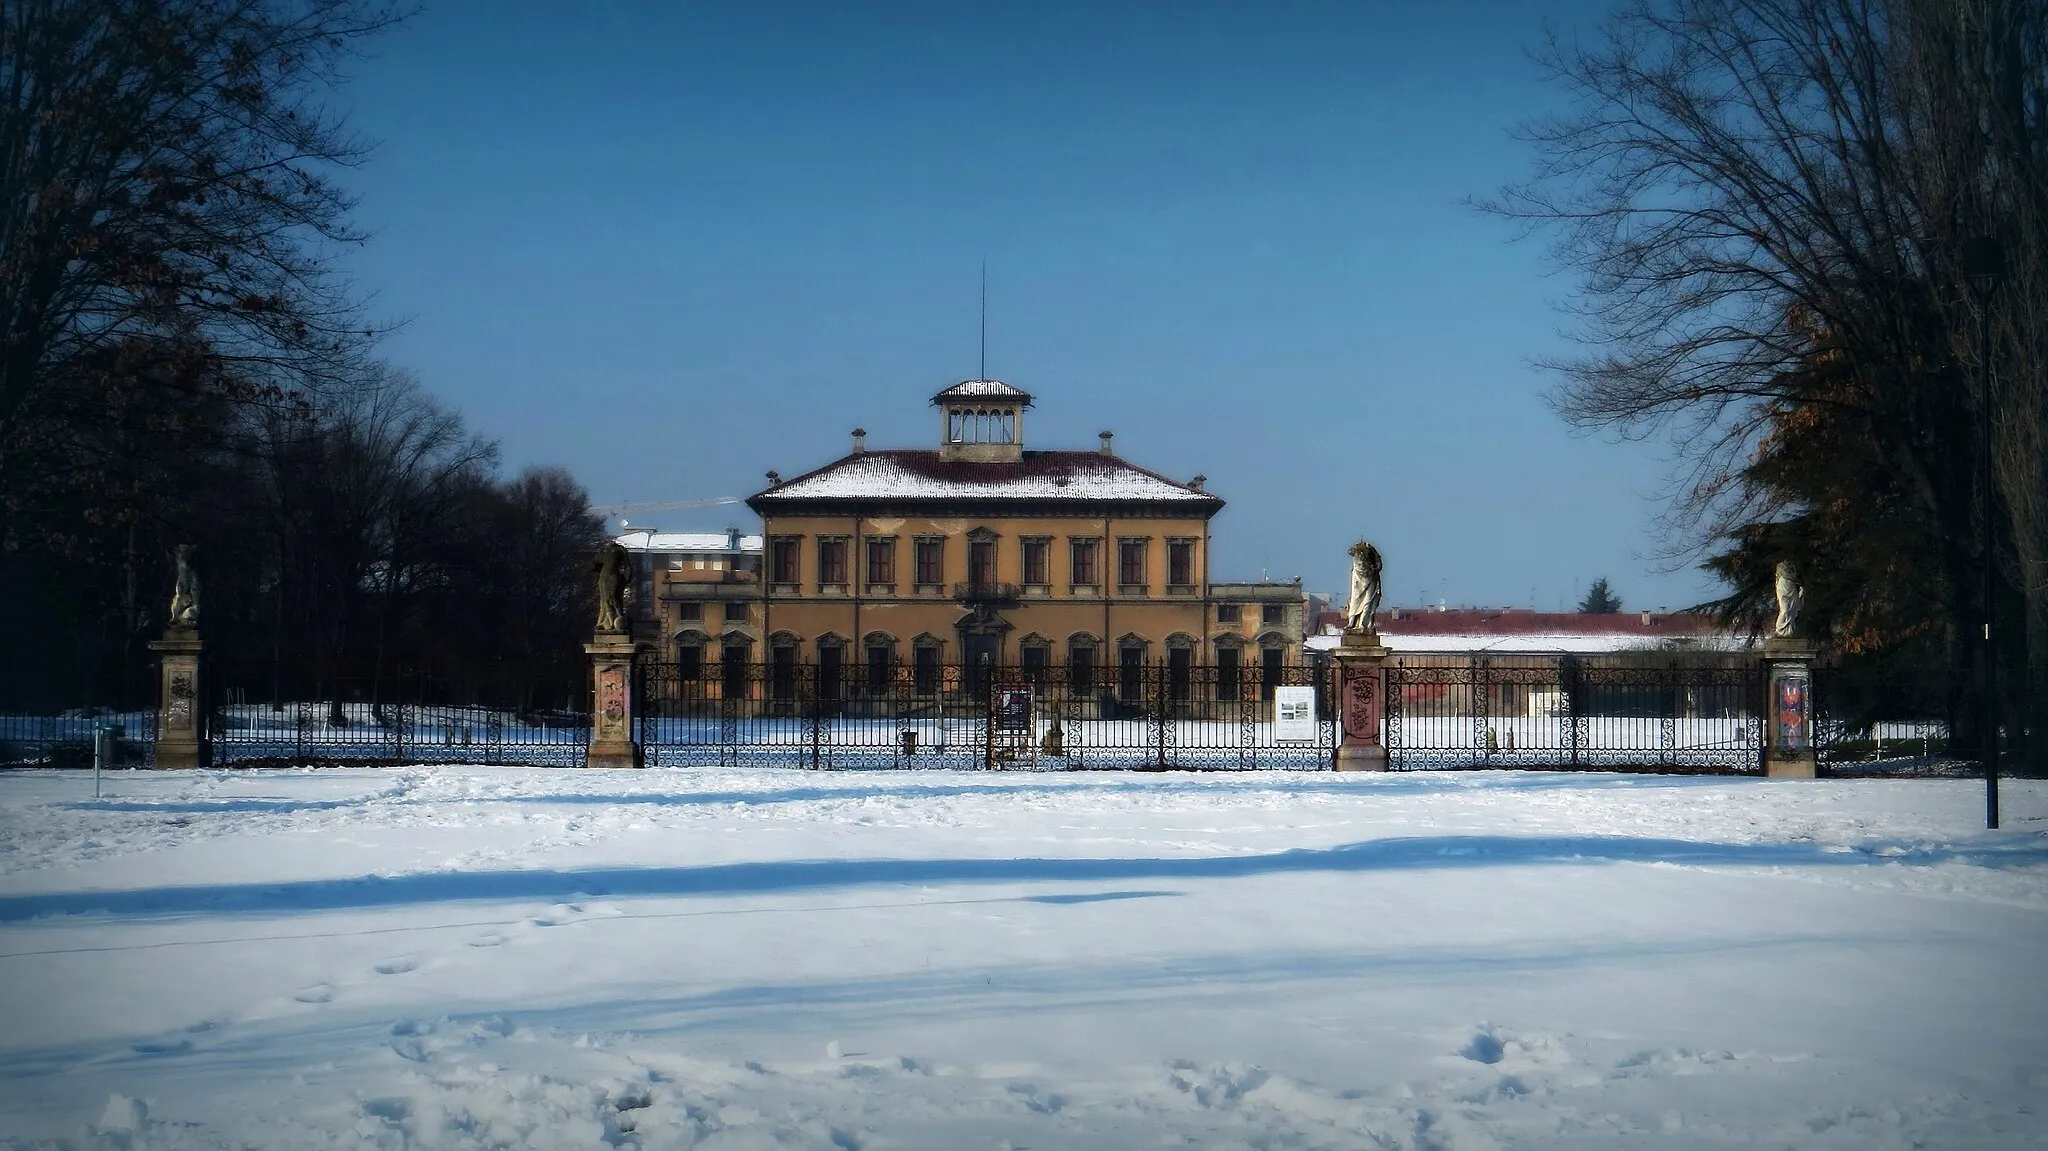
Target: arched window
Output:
[
  {"x": 831, "y": 666},
  {"x": 1130, "y": 668},
  {"x": 1035, "y": 653},
  {"x": 924, "y": 664},
  {"x": 1081, "y": 664},
  {"x": 881, "y": 661},
  {"x": 689, "y": 655}
]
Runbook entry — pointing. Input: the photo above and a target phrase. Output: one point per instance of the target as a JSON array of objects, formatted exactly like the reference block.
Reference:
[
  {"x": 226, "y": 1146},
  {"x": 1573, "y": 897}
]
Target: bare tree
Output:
[
  {"x": 1751, "y": 189},
  {"x": 165, "y": 183}
]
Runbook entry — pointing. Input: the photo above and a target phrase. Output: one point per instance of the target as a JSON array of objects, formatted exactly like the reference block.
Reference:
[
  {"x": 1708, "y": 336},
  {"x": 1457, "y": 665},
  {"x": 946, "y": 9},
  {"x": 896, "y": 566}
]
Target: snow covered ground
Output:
[{"x": 471, "y": 957}]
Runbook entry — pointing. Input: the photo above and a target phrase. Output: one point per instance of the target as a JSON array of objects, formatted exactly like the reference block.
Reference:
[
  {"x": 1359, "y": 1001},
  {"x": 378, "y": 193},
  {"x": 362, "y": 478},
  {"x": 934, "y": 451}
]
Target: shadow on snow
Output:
[{"x": 1422, "y": 853}]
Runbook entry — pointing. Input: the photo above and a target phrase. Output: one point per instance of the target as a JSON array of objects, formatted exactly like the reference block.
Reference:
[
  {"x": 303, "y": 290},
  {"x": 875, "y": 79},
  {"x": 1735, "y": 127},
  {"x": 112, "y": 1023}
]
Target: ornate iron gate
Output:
[
  {"x": 1152, "y": 717},
  {"x": 1701, "y": 714}
]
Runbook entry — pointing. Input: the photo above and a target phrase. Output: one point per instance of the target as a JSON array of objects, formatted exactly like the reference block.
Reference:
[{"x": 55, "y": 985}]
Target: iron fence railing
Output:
[
  {"x": 1574, "y": 713},
  {"x": 494, "y": 714},
  {"x": 1145, "y": 715},
  {"x": 65, "y": 738}
]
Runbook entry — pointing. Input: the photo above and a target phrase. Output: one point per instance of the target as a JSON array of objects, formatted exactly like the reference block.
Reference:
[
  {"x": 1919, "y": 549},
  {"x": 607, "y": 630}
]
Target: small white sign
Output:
[{"x": 1294, "y": 713}]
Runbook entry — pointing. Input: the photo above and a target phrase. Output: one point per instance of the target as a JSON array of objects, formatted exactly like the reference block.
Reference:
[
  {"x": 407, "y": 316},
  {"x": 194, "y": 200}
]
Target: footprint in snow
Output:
[
  {"x": 488, "y": 939},
  {"x": 318, "y": 993},
  {"x": 399, "y": 965},
  {"x": 409, "y": 1039}
]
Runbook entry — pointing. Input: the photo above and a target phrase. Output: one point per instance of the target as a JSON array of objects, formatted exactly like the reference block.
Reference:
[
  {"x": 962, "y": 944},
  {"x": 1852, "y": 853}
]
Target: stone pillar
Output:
[
  {"x": 179, "y": 722},
  {"x": 1788, "y": 709},
  {"x": 611, "y": 713},
  {"x": 1361, "y": 693}
]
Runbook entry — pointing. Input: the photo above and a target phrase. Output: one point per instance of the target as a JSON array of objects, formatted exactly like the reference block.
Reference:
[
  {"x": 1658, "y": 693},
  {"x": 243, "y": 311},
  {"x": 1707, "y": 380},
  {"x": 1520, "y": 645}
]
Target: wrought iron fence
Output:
[
  {"x": 494, "y": 714},
  {"x": 64, "y": 738},
  {"x": 47, "y": 725},
  {"x": 1157, "y": 716},
  {"x": 1699, "y": 713}
]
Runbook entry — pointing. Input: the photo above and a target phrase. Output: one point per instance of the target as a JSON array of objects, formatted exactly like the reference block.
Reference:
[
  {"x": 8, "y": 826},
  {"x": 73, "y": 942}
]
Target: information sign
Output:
[{"x": 1294, "y": 714}]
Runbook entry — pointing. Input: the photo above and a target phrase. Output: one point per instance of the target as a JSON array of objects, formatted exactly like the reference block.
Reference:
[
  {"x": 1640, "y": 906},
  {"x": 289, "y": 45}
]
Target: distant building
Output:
[
  {"x": 696, "y": 592},
  {"x": 1512, "y": 630},
  {"x": 977, "y": 552}
]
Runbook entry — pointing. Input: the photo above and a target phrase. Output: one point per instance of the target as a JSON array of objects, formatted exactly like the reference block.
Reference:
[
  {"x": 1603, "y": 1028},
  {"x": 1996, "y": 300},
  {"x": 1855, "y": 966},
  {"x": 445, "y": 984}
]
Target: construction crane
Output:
[{"x": 620, "y": 511}]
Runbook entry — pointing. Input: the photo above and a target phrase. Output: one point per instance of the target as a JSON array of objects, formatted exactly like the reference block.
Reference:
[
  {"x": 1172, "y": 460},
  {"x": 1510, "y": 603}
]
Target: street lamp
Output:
[{"x": 1983, "y": 265}]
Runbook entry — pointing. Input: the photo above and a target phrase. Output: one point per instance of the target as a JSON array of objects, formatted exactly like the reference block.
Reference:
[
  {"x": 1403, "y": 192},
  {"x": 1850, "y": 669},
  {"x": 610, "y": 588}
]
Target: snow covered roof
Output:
[
  {"x": 1509, "y": 630},
  {"x": 906, "y": 474},
  {"x": 686, "y": 542},
  {"x": 983, "y": 390}
]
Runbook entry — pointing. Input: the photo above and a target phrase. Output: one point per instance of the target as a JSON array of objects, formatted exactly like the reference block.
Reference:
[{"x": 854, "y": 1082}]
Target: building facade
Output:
[
  {"x": 697, "y": 595},
  {"x": 981, "y": 553}
]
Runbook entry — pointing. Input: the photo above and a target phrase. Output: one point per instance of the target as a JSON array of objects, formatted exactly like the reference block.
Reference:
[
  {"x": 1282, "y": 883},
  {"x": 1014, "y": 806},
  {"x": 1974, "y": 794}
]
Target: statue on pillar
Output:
[
  {"x": 1790, "y": 597},
  {"x": 1365, "y": 588},
  {"x": 185, "y": 593},
  {"x": 613, "y": 567}
]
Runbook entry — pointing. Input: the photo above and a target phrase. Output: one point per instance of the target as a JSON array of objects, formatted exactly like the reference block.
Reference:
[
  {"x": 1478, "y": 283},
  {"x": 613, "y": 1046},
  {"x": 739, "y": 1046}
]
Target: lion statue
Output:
[{"x": 1365, "y": 587}]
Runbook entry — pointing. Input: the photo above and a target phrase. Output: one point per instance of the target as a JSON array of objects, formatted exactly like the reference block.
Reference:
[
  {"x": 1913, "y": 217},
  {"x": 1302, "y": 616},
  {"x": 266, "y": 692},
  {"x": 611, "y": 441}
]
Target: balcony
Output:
[{"x": 986, "y": 591}]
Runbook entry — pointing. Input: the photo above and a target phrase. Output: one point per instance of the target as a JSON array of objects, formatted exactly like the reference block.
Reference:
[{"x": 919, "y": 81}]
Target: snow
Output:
[
  {"x": 901, "y": 474},
  {"x": 1534, "y": 643},
  {"x": 707, "y": 542},
  {"x": 976, "y": 389},
  {"x": 728, "y": 958}
]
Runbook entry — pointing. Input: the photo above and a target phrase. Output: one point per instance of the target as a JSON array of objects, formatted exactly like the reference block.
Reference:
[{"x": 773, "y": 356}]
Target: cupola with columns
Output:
[{"x": 984, "y": 421}]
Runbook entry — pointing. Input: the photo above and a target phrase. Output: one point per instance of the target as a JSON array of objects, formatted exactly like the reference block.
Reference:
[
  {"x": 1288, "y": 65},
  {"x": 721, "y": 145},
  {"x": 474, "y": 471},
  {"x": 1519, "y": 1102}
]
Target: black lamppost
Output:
[{"x": 1983, "y": 264}]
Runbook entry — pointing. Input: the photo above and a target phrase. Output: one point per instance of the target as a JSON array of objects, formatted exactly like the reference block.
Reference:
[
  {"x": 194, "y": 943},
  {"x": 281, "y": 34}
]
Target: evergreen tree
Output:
[{"x": 1600, "y": 599}]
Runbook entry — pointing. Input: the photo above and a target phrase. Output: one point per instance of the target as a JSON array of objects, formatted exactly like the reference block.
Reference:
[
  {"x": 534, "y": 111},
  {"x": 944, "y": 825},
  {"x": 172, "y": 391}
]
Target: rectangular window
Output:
[
  {"x": 1228, "y": 683},
  {"x": 1180, "y": 562},
  {"x": 1130, "y": 674},
  {"x": 931, "y": 555},
  {"x": 1038, "y": 561},
  {"x": 1273, "y": 613},
  {"x": 981, "y": 563},
  {"x": 689, "y": 661},
  {"x": 690, "y": 610},
  {"x": 831, "y": 561},
  {"x": 924, "y": 670},
  {"x": 882, "y": 561},
  {"x": 1082, "y": 552},
  {"x": 783, "y": 563},
  {"x": 880, "y": 659},
  {"x": 1130, "y": 563},
  {"x": 735, "y": 609},
  {"x": 1269, "y": 671},
  {"x": 1229, "y": 612}
]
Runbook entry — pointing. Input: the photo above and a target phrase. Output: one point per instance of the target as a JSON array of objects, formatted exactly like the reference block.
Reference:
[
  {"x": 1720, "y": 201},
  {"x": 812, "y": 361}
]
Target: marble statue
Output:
[
  {"x": 185, "y": 594},
  {"x": 614, "y": 568},
  {"x": 1365, "y": 587},
  {"x": 1790, "y": 596}
]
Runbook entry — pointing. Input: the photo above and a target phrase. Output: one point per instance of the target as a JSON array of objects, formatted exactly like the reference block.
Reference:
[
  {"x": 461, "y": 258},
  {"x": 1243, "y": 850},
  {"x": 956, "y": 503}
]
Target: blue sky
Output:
[{"x": 671, "y": 246}]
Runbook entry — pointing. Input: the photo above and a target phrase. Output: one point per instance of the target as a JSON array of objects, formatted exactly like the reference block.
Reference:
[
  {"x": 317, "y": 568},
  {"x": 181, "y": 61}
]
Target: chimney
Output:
[
  {"x": 860, "y": 441},
  {"x": 1106, "y": 437},
  {"x": 1197, "y": 482},
  {"x": 774, "y": 479},
  {"x": 1646, "y": 619},
  {"x": 732, "y": 539}
]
